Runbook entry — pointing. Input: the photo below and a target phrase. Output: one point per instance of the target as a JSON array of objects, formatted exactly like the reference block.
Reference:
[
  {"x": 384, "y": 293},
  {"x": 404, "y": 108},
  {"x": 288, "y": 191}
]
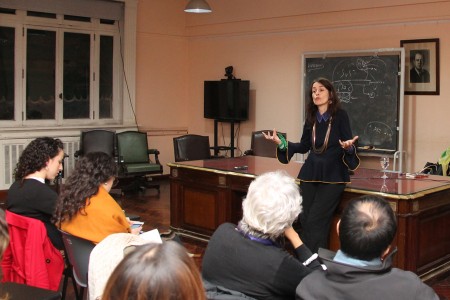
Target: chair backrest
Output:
[
  {"x": 98, "y": 140},
  {"x": 30, "y": 257},
  {"x": 262, "y": 147},
  {"x": 23, "y": 291},
  {"x": 191, "y": 147},
  {"x": 132, "y": 147},
  {"x": 78, "y": 251}
]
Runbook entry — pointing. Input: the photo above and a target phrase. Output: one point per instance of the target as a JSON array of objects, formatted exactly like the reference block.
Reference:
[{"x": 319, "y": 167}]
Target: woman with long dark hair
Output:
[
  {"x": 85, "y": 208},
  {"x": 328, "y": 138}
]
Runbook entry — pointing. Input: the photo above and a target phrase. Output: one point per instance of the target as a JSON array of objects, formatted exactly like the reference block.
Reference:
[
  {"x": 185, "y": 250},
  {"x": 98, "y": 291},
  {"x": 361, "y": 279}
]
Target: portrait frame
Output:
[{"x": 426, "y": 51}]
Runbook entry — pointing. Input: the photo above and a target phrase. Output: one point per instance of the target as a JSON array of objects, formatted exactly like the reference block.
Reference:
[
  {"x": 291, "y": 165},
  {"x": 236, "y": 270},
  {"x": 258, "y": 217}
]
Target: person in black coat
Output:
[
  {"x": 249, "y": 258},
  {"x": 328, "y": 138}
]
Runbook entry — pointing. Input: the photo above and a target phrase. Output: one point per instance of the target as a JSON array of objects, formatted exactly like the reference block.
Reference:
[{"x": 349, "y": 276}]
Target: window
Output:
[
  {"x": 7, "y": 73},
  {"x": 40, "y": 74},
  {"x": 58, "y": 69}
]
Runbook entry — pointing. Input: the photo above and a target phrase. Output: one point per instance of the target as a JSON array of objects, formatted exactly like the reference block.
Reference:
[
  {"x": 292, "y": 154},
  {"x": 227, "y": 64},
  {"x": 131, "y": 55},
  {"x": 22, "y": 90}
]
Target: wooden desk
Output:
[{"x": 205, "y": 194}]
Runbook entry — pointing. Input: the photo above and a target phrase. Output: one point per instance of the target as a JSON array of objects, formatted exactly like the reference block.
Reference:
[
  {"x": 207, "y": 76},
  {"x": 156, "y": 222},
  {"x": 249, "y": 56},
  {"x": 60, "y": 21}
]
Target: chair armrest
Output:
[
  {"x": 248, "y": 152},
  {"x": 78, "y": 153},
  {"x": 122, "y": 167},
  {"x": 217, "y": 156},
  {"x": 154, "y": 152}
]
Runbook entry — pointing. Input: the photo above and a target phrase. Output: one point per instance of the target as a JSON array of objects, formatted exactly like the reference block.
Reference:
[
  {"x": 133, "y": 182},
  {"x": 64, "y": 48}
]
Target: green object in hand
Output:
[{"x": 283, "y": 144}]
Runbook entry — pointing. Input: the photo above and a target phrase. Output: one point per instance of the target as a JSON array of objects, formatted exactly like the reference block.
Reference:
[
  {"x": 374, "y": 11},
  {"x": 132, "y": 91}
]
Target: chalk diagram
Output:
[
  {"x": 378, "y": 133},
  {"x": 368, "y": 87},
  {"x": 362, "y": 73}
]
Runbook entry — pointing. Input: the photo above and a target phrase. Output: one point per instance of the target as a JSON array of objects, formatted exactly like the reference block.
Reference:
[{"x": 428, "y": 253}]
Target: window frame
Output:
[{"x": 21, "y": 22}]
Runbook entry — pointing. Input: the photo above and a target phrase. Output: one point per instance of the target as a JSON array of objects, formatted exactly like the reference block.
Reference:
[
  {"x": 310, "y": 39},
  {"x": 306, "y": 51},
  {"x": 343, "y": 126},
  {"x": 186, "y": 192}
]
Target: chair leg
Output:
[
  {"x": 68, "y": 274},
  {"x": 81, "y": 295},
  {"x": 64, "y": 289}
]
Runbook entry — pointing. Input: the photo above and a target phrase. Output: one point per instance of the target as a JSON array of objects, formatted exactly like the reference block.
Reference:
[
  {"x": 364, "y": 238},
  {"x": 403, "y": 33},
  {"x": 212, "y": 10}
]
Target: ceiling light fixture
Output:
[{"x": 198, "y": 7}]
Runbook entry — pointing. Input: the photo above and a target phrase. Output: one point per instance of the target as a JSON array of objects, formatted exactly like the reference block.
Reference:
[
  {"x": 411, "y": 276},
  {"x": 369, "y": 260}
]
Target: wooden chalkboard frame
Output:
[{"x": 353, "y": 55}]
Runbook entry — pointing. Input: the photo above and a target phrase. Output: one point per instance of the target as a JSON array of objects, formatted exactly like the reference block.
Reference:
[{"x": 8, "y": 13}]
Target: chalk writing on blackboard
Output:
[{"x": 368, "y": 87}]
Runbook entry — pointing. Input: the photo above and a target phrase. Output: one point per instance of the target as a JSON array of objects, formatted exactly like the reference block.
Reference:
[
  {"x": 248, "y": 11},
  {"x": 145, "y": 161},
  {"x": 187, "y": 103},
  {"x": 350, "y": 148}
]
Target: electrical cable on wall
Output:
[{"x": 125, "y": 75}]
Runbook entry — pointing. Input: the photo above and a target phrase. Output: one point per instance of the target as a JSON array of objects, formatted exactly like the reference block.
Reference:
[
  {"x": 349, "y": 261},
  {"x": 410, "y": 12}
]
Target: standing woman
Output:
[
  {"x": 328, "y": 138},
  {"x": 85, "y": 208},
  {"x": 29, "y": 196}
]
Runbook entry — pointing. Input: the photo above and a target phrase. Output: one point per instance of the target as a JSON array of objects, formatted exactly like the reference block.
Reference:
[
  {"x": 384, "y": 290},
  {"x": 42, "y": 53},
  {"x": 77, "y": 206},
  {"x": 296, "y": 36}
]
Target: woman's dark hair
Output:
[
  {"x": 333, "y": 107},
  {"x": 90, "y": 172},
  {"x": 36, "y": 155},
  {"x": 367, "y": 227},
  {"x": 155, "y": 271}
]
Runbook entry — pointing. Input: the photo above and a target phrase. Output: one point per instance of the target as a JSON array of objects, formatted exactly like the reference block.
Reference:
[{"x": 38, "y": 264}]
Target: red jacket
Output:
[{"x": 30, "y": 257}]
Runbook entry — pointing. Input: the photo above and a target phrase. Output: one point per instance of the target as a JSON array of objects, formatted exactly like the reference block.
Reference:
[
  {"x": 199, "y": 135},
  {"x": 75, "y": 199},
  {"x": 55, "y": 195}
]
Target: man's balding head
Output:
[{"x": 367, "y": 227}]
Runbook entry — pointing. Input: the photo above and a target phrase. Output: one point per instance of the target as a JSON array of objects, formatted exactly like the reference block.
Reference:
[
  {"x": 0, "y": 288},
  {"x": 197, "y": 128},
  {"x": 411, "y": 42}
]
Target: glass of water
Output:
[{"x": 384, "y": 162}]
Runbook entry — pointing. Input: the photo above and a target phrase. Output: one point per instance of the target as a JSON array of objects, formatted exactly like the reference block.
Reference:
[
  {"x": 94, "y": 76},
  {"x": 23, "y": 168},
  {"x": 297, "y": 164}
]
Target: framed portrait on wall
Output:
[{"x": 421, "y": 66}]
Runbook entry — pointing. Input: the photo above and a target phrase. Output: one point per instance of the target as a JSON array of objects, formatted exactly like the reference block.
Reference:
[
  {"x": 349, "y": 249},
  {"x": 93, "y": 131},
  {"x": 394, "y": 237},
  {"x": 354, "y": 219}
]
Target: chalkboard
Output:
[{"x": 369, "y": 89}]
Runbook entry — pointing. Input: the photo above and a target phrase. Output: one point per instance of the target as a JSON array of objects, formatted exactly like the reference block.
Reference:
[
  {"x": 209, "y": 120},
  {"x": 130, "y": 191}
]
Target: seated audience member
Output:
[
  {"x": 105, "y": 257},
  {"x": 362, "y": 268},
  {"x": 249, "y": 258},
  {"x": 29, "y": 196},
  {"x": 155, "y": 271},
  {"x": 85, "y": 208}
]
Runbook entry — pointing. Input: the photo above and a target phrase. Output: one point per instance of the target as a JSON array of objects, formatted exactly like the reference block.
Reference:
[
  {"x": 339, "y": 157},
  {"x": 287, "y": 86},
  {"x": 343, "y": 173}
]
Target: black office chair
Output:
[
  {"x": 97, "y": 140},
  {"x": 191, "y": 147},
  {"x": 78, "y": 251},
  {"x": 260, "y": 146},
  {"x": 134, "y": 160}
]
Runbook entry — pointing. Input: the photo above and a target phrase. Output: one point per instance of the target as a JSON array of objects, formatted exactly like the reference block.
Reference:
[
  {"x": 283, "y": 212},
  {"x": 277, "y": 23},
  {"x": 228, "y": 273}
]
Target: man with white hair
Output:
[{"x": 250, "y": 257}]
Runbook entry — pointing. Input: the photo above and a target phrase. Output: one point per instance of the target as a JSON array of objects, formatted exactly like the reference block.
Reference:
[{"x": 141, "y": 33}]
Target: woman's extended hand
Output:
[
  {"x": 348, "y": 143},
  {"x": 274, "y": 138}
]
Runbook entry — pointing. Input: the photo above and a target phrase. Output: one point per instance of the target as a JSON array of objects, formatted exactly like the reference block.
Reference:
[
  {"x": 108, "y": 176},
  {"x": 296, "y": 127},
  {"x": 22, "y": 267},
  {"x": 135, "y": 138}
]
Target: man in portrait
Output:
[{"x": 418, "y": 73}]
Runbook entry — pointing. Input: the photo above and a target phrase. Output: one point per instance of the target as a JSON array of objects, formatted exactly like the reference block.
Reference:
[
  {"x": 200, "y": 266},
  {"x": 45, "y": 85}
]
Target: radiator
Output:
[{"x": 10, "y": 151}]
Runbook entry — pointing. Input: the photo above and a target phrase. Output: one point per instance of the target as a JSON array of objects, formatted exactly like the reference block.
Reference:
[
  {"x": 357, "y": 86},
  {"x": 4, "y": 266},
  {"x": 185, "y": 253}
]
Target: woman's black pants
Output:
[{"x": 319, "y": 203}]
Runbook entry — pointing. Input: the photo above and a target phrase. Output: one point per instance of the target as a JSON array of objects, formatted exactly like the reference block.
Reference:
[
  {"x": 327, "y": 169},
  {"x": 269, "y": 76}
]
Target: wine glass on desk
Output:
[
  {"x": 384, "y": 162},
  {"x": 384, "y": 188}
]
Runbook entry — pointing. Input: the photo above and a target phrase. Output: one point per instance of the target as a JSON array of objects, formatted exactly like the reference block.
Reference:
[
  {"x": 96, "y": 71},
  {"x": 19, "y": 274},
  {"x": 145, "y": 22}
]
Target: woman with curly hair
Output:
[
  {"x": 85, "y": 208},
  {"x": 29, "y": 196}
]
